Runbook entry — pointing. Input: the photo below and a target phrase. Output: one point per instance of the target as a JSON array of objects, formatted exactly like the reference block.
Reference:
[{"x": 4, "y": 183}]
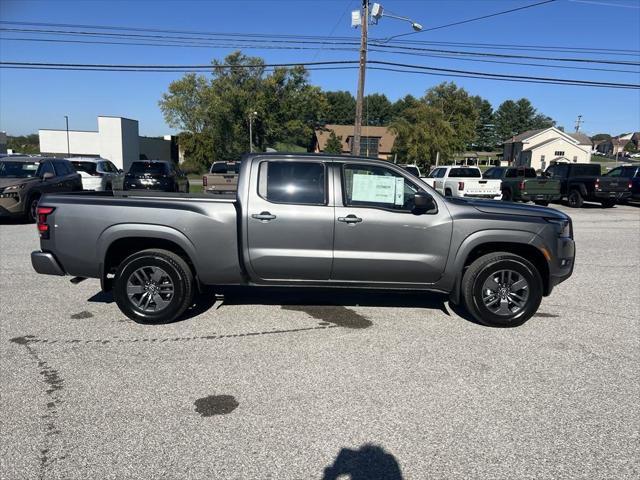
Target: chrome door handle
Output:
[
  {"x": 263, "y": 216},
  {"x": 350, "y": 219}
]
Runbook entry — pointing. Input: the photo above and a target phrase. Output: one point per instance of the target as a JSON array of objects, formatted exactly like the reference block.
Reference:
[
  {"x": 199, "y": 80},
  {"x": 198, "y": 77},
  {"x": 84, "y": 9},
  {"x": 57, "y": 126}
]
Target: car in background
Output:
[
  {"x": 98, "y": 174},
  {"x": 522, "y": 184},
  {"x": 463, "y": 182},
  {"x": 159, "y": 175},
  {"x": 631, "y": 172},
  {"x": 580, "y": 182},
  {"x": 23, "y": 180},
  {"x": 222, "y": 178}
]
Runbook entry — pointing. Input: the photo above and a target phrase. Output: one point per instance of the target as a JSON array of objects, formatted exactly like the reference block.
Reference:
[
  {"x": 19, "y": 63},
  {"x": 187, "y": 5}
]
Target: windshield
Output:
[
  {"x": 87, "y": 167},
  {"x": 464, "y": 172},
  {"x": 10, "y": 169},
  {"x": 224, "y": 167},
  {"x": 155, "y": 168},
  {"x": 412, "y": 170}
]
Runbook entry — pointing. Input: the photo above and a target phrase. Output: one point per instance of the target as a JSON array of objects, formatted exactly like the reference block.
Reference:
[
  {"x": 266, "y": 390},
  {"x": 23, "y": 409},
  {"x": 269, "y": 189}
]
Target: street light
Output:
[
  {"x": 252, "y": 115},
  {"x": 360, "y": 18},
  {"x": 66, "y": 120}
]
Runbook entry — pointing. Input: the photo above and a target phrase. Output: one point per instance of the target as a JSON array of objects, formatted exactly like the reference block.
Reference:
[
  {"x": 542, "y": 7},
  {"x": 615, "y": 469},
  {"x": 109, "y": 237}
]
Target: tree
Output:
[
  {"x": 600, "y": 136},
  {"x": 513, "y": 118},
  {"x": 377, "y": 110},
  {"x": 402, "y": 104},
  {"x": 334, "y": 144},
  {"x": 24, "y": 143},
  {"x": 486, "y": 138},
  {"x": 443, "y": 121},
  {"x": 341, "y": 108},
  {"x": 630, "y": 147}
]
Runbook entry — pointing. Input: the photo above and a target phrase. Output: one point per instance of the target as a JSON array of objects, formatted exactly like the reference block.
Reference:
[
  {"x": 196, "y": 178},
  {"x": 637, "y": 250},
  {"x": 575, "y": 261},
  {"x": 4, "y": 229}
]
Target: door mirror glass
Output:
[{"x": 424, "y": 202}]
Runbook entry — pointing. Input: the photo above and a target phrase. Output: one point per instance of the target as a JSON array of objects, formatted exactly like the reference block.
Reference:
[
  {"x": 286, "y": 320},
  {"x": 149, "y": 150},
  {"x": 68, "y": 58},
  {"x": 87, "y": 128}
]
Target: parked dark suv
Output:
[
  {"x": 23, "y": 180},
  {"x": 155, "y": 175},
  {"x": 632, "y": 172}
]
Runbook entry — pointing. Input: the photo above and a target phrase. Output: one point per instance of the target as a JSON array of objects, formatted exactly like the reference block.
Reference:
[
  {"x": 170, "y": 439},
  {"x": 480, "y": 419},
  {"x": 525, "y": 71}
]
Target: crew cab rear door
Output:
[
  {"x": 290, "y": 220},
  {"x": 379, "y": 237}
]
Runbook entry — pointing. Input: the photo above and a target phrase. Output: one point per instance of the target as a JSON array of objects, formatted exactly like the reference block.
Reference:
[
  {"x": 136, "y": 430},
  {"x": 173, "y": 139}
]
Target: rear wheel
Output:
[
  {"x": 447, "y": 192},
  {"x": 31, "y": 209},
  {"x": 575, "y": 199},
  {"x": 506, "y": 195},
  {"x": 542, "y": 203},
  {"x": 502, "y": 289},
  {"x": 153, "y": 286},
  {"x": 608, "y": 203}
]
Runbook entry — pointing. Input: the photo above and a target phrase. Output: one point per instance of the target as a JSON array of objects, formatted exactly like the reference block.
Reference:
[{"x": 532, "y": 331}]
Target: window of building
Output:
[
  {"x": 542, "y": 158},
  {"x": 575, "y": 159},
  {"x": 373, "y": 186},
  {"x": 559, "y": 153},
  {"x": 369, "y": 146},
  {"x": 293, "y": 182}
]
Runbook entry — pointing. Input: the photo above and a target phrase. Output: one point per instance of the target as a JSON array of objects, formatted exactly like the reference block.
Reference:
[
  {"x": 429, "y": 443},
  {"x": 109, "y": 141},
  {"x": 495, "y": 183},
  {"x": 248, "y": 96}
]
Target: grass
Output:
[{"x": 197, "y": 188}]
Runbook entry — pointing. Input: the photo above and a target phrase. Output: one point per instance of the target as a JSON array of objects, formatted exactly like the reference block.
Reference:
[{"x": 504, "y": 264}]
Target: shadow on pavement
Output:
[{"x": 369, "y": 462}]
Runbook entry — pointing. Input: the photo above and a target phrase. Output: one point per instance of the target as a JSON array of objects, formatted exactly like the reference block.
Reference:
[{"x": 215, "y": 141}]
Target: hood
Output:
[
  {"x": 7, "y": 182},
  {"x": 509, "y": 208}
]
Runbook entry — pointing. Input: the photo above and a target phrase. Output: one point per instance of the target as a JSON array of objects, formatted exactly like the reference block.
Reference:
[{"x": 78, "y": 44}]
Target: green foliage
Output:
[
  {"x": 341, "y": 108},
  {"x": 600, "y": 136},
  {"x": 376, "y": 110},
  {"x": 486, "y": 138},
  {"x": 334, "y": 144},
  {"x": 630, "y": 147},
  {"x": 24, "y": 143},
  {"x": 513, "y": 118}
]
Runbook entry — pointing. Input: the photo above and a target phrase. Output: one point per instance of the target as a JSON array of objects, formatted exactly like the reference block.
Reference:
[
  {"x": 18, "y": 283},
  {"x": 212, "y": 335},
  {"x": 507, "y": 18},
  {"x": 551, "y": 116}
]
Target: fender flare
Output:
[
  {"x": 124, "y": 230},
  {"x": 477, "y": 239}
]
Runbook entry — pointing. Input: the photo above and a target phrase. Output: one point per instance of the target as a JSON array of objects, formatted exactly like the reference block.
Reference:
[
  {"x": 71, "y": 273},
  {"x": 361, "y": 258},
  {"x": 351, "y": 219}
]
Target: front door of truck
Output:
[
  {"x": 290, "y": 220},
  {"x": 379, "y": 236}
]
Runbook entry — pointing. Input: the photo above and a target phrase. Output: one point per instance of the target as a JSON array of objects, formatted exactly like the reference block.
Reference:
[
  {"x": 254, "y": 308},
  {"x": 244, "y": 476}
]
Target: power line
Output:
[
  {"x": 206, "y": 68},
  {"x": 469, "y": 20}
]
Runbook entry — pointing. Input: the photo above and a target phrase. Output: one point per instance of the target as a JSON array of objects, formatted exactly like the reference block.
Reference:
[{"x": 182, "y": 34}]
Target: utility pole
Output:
[
  {"x": 578, "y": 122},
  {"x": 66, "y": 119},
  {"x": 251, "y": 117},
  {"x": 357, "y": 130}
]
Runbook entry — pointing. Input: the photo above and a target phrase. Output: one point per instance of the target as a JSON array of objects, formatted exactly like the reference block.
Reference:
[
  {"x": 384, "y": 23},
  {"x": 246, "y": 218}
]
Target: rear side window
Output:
[
  {"x": 464, "y": 172},
  {"x": 152, "y": 168},
  {"x": 529, "y": 173},
  {"x": 413, "y": 171},
  {"x": 87, "y": 167},
  {"x": 511, "y": 173},
  {"x": 225, "y": 168},
  {"x": 586, "y": 170},
  {"x": 61, "y": 167},
  {"x": 46, "y": 167},
  {"x": 293, "y": 182}
]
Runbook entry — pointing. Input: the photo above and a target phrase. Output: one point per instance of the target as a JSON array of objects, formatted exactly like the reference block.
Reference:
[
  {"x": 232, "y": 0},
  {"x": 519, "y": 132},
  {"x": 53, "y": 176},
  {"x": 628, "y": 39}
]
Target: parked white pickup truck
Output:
[{"x": 463, "y": 182}]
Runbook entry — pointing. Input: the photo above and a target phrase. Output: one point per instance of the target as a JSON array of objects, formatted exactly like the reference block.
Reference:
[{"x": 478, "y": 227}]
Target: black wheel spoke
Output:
[{"x": 150, "y": 289}]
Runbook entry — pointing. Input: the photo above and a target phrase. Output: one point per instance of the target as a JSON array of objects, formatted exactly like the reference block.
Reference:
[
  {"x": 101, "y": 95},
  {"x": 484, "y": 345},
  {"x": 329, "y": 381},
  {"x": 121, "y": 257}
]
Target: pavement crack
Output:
[{"x": 54, "y": 386}]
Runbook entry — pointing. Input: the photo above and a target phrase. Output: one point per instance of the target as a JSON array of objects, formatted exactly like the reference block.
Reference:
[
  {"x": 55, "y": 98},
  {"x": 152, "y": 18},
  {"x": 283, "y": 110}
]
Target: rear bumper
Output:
[
  {"x": 612, "y": 195},
  {"x": 545, "y": 197},
  {"x": 495, "y": 196},
  {"x": 46, "y": 264}
]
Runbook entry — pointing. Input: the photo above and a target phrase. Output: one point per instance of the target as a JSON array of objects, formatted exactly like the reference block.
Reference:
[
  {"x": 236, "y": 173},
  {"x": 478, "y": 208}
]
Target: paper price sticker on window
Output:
[{"x": 377, "y": 189}]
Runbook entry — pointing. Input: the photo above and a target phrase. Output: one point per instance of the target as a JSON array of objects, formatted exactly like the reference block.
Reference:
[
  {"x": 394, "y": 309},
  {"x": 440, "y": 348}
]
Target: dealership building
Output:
[{"x": 117, "y": 139}]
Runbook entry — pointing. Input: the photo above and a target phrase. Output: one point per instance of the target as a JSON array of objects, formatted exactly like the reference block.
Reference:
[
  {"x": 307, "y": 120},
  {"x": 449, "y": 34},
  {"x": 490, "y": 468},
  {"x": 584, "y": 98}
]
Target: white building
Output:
[
  {"x": 538, "y": 148},
  {"x": 117, "y": 139}
]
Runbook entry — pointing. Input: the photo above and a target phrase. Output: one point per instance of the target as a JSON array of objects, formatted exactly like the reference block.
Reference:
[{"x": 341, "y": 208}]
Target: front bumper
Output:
[
  {"x": 46, "y": 264},
  {"x": 562, "y": 263}
]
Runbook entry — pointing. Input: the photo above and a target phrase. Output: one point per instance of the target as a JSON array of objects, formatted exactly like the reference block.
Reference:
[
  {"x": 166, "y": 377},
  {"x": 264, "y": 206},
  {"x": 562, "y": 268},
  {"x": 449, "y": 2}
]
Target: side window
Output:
[
  {"x": 60, "y": 168},
  {"x": 562, "y": 170},
  {"x": 293, "y": 182},
  {"x": 378, "y": 187},
  {"x": 615, "y": 172},
  {"x": 46, "y": 167},
  {"x": 442, "y": 173},
  {"x": 491, "y": 173},
  {"x": 433, "y": 173},
  {"x": 511, "y": 173},
  {"x": 107, "y": 167}
]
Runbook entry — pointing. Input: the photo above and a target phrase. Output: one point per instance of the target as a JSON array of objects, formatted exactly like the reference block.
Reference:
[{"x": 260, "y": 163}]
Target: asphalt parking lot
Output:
[{"x": 307, "y": 384}]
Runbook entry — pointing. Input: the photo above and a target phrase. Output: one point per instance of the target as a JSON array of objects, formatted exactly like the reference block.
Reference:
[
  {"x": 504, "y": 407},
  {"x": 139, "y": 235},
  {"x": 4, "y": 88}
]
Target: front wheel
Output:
[
  {"x": 153, "y": 286},
  {"x": 502, "y": 289},
  {"x": 31, "y": 212},
  {"x": 575, "y": 199}
]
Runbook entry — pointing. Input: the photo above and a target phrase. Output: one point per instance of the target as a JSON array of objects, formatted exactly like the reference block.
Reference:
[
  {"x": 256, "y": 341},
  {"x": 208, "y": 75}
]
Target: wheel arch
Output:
[
  {"x": 120, "y": 241},
  {"x": 524, "y": 244}
]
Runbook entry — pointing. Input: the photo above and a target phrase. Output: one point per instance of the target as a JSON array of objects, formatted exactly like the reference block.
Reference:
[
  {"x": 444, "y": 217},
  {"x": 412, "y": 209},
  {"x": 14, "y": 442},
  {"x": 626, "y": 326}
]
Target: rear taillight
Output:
[
  {"x": 521, "y": 185},
  {"x": 630, "y": 185},
  {"x": 204, "y": 180},
  {"x": 597, "y": 184},
  {"x": 43, "y": 228},
  {"x": 460, "y": 185}
]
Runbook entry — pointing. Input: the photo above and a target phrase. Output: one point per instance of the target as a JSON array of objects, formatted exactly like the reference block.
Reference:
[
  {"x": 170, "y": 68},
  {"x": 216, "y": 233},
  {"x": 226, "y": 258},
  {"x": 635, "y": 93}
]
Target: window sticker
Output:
[{"x": 377, "y": 189}]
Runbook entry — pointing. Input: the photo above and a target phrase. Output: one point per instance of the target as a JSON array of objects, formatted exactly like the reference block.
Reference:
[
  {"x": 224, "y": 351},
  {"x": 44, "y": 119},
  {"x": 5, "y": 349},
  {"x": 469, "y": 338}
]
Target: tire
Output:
[
  {"x": 608, "y": 203},
  {"x": 507, "y": 196},
  {"x": 542, "y": 203},
  {"x": 575, "y": 199},
  {"x": 153, "y": 286},
  {"x": 513, "y": 307},
  {"x": 31, "y": 209},
  {"x": 447, "y": 192}
]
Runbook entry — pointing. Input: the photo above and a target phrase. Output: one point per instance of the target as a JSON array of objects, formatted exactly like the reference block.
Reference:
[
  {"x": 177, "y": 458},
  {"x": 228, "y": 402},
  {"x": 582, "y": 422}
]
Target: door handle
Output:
[
  {"x": 263, "y": 216},
  {"x": 350, "y": 219}
]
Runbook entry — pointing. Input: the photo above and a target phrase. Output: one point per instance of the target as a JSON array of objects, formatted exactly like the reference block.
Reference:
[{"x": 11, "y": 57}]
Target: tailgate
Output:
[
  {"x": 481, "y": 187},
  {"x": 222, "y": 182},
  {"x": 613, "y": 184},
  {"x": 541, "y": 186}
]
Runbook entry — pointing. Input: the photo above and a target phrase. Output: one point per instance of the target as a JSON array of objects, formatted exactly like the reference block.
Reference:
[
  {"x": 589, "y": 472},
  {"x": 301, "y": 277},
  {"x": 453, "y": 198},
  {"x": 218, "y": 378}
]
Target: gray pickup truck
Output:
[{"x": 308, "y": 220}]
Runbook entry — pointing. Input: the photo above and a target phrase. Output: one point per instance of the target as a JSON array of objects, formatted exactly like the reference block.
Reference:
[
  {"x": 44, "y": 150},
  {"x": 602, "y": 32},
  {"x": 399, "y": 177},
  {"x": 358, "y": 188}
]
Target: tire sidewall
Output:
[
  {"x": 174, "y": 272},
  {"x": 533, "y": 301},
  {"x": 577, "y": 199},
  {"x": 31, "y": 213},
  {"x": 506, "y": 196}
]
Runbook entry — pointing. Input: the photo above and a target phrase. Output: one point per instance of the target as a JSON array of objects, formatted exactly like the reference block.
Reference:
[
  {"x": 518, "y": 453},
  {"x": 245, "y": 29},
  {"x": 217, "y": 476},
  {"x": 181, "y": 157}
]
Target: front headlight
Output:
[
  {"x": 563, "y": 226},
  {"x": 14, "y": 188}
]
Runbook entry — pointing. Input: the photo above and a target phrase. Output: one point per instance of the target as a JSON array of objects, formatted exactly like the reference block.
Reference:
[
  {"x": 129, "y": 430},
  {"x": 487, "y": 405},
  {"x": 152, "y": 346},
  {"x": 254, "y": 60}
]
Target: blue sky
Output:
[{"x": 32, "y": 99}]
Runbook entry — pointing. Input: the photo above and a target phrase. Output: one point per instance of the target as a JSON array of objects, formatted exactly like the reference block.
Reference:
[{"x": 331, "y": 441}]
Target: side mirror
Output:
[
  {"x": 47, "y": 176},
  {"x": 120, "y": 170},
  {"x": 424, "y": 201}
]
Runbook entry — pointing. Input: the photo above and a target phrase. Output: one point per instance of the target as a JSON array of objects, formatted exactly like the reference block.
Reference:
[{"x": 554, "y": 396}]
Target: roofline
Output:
[
  {"x": 64, "y": 131},
  {"x": 116, "y": 116},
  {"x": 333, "y": 156}
]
